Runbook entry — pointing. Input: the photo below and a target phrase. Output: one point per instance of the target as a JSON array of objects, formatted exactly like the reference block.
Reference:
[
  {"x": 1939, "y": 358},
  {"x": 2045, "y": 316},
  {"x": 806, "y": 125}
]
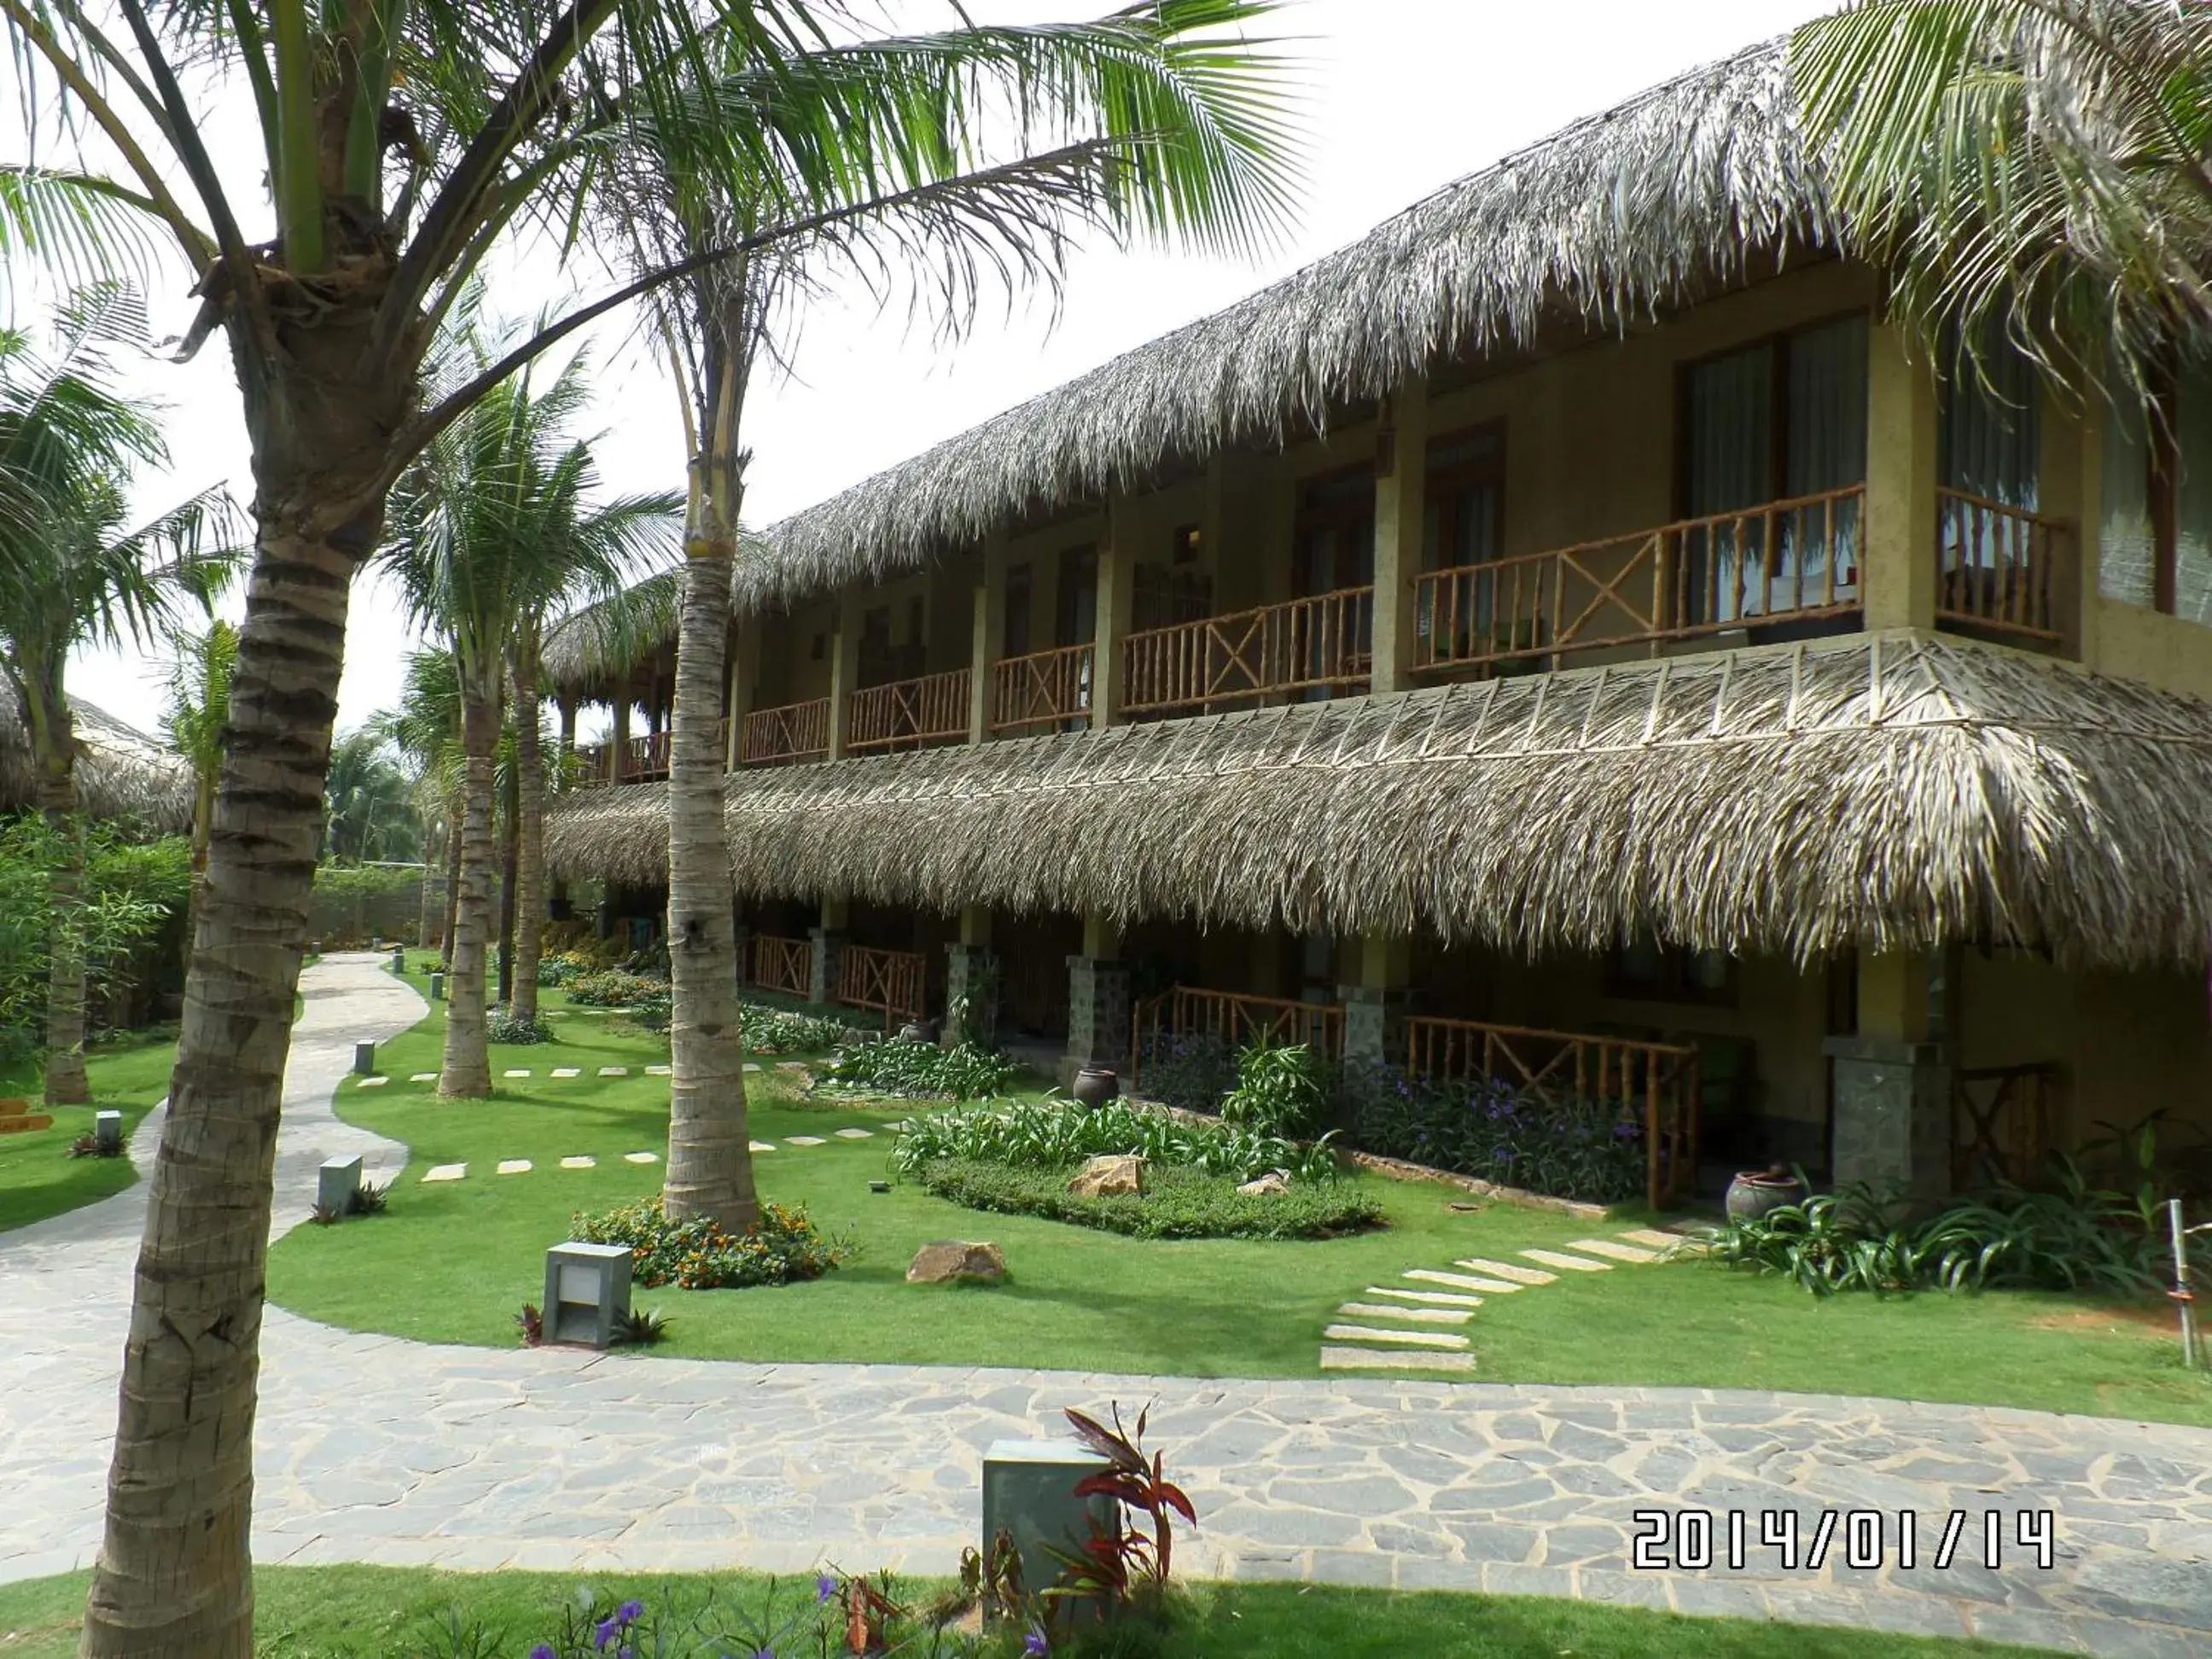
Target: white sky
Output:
[{"x": 1404, "y": 96}]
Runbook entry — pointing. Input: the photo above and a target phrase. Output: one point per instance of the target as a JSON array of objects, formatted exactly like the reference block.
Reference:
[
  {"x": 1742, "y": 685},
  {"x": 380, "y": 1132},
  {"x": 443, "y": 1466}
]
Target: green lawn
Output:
[
  {"x": 38, "y": 1178},
  {"x": 1079, "y": 1299},
  {"x": 325, "y": 1613}
]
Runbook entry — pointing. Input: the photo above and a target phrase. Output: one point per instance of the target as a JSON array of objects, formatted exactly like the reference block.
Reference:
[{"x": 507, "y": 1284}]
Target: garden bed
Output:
[{"x": 1177, "y": 1203}]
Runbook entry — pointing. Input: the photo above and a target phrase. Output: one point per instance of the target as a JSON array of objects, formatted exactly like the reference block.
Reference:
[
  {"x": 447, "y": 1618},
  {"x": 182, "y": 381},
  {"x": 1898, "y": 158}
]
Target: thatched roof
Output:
[
  {"x": 591, "y": 654},
  {"x": 1890, "y": 792},
  {"x": 121, "y": 773},
  {"x": 1647, "y": 205}
]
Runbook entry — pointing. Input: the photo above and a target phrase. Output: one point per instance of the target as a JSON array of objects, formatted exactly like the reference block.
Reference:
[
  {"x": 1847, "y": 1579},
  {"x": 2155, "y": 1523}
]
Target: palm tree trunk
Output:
[
  {"x": 710, "y": 1171},
  {"x": 507, "y": 839},
  {"x": 529, "y": 841},
  {"x": 204, "y": 784},
  {"x": 53, "y": 737},
  {"x": 453, "y": 876},
  {"x": 175, "y": 1571},
  {"x": 426, "y": 903},
  {"x": 467, "y": 1066}
]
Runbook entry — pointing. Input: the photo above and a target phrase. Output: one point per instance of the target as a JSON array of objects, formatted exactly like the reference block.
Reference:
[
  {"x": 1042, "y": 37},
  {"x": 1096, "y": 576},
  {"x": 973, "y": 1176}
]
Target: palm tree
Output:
[
  {"x": 369, "y": 800},
  {"x": 426, "y": 729},
  {"x": 74, "y": 570},
  {"x": 199, "y": 708},
  {"x": 2033, "y": 169},
  {"x": 406, "y": 142},
  {"x": 489, "y": 531}
]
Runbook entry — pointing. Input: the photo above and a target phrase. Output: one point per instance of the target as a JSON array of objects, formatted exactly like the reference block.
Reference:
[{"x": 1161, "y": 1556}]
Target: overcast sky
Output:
[{"x": 1402, "y": 96}]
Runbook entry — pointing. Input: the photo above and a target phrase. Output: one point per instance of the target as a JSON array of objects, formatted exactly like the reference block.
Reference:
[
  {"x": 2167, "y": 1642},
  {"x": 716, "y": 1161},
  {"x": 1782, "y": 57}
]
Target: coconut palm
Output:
[
  {"x": 493, "y": 529},
  {"x": 74, "y": 570},
  {"x": 369, "y": 800},
  {"x": 2029, "y": 168},
  {"x": 426, "y": 729},
  {"x": 199, "y": 707},
  {"x": 406, "y": 143}
]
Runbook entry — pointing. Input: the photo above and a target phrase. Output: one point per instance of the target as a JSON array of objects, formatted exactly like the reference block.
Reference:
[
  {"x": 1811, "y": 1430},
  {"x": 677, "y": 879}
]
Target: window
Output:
[
  {"x": 1777, "y": 421},
  {"x": 1463, "y": 522},
  {"x": 1332, "y": 645},
  {"x": 1644, "y": 970},
  {"x": 1014, "y": 633},
  {"x": 1075, "y": 617},
  {"x": 2154, "y": 535},
  {"x": 1189, "y": 544}
]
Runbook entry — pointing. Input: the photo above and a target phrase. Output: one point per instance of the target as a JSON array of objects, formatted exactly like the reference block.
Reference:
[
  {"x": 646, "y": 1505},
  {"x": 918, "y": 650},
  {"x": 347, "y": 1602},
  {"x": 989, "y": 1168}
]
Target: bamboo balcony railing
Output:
[
  {"x": 908, "y": 713},
  {"x": 1995, "y": 565},
  {"x": 891, "y": 982},
  {"x": 1185, "y": 1011},
  {"x": 1654, "y": 1085},
  {"x": 786, "y": 965},
  {"x": 1321, "y": 643},
  {"x": 1045, "y": 688},
  {"x": 1781, "y": 561},
  {"x": 796, "y": 731}
]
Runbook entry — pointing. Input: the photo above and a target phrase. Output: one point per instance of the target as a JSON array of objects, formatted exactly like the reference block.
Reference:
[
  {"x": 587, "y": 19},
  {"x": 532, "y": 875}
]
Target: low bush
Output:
[
  {"x": 916, "y": 1071},
  {"x": 1190, "y": 1073},
  {"x": 1580, "y": 1150},
  {"x": 1055, "y": 1135},
  {"x": 1279, "y": 1090},
  {"x": 502, "y": 1026},
  {"x": 566, "y": 967},
  {"x": 1178, "y": 1203},
  {"x": 779, "y": 1031},
  {"x": 614, "y": 987},
  {"x": 652, "y": 1014},
  {"x": 699, "y": 1255}
]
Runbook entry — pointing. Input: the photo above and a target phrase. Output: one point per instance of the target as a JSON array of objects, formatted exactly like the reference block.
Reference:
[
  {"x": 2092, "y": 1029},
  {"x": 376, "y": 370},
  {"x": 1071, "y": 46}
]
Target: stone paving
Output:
[{"x": 373, "y": 1448}]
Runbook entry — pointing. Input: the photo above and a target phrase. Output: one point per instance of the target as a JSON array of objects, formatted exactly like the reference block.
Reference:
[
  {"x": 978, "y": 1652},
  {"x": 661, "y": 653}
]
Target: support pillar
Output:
[
  {"x": 1097, "y": 1015},
  {"x": 1401, "y": 488},
  {"x": 1897, "y": 565},
  {"x": 844, "y": 673},
  {"x": 1374, "y": 1009},
  {"x": 618, "y": 750},
  {"x": 1892, "y": 1082},
  {"x": 829, "y": 944},
  {"x": 971, "y": 996},
  {"x": 744, "y": 679},
  {"x": 1117, "y": 579},
  {"x": 987, "y": 629}
]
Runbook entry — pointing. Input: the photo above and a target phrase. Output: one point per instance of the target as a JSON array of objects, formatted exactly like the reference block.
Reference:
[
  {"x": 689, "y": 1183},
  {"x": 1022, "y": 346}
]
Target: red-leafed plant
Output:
[{"x": 1112, "y": 1563}]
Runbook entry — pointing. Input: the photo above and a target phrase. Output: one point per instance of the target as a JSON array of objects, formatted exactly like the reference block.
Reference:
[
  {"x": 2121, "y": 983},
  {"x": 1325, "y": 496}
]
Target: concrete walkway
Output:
[{"x": 375, "y": 1450}]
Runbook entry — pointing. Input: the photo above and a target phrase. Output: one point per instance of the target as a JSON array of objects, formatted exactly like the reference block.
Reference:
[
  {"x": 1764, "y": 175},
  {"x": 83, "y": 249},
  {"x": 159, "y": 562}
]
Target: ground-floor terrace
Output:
[{"x": 1897, "y": 910}]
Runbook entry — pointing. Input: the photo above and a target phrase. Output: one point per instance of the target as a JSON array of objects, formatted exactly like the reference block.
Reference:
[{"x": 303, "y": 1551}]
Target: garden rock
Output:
[
  {"x": 1275, "y": 1181},
  {"x": 951, "y": 1261},
  {"x": 1110, "y": 1175}
]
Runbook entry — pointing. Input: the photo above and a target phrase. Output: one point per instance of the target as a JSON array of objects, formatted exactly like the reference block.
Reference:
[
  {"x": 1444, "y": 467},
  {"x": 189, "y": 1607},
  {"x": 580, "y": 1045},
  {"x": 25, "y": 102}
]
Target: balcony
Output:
[
  {"x": 909, "y": 714},
  {"x": 1307, "y": 646},
  {"x": 796, "y": 731},
  {"x": 1046, "y": 687},
  {"x": 1994, "y": 567}
]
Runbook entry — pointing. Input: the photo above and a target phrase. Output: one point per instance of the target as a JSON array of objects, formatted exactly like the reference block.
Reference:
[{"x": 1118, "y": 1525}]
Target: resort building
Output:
[{"x": 1567, "y": 634}]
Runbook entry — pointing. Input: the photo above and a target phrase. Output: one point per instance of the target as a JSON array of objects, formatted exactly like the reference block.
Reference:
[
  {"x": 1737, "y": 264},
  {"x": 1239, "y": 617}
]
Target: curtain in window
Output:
[
  {"x": 2127, "y": 547},
  {"x": 1992, "y": 440},
  {"x": 1827, "y": 443},
  {"x": 1731, "y": 460}
]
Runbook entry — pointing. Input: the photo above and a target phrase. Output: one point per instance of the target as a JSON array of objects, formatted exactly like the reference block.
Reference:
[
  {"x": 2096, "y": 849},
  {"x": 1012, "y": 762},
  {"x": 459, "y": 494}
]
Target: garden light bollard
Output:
[
  {"x": 107, "y": 1131},
  {"x": 1028, "y": 1494},
  {"x": 2184, "y": 1293},
  {"x": 586, "y": 1292},
  {"x": 337, "y": 1184},
  {"x": 364, "y": 1058},
  {"x": 437, "y": 988},
  {"x": 400, "y": 962}
]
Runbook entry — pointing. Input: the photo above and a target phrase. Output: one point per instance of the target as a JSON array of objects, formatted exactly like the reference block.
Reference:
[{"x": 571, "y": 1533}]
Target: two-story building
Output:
[{"x": 1565, "y": 634}]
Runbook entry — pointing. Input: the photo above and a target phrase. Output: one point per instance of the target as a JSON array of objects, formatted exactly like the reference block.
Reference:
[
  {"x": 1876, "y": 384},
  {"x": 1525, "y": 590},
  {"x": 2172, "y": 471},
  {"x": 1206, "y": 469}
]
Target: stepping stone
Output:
[
  {"x": 1429, "y": 1299},
  {"x": 762, "y": 1146},
  {"x": 856, "y": 1135},
  {"x": 1576, "y": 1264},
  {"x": 614, "y": 1071},
  {"x": 1461, "y": 1281},
  {"x": 751, "y": 1066},
  {"x": 658, "y": 1071},
  {"x": 805, "y": 1140},
  {"x": 1612, "y": 1250},
  {"x": 1654, "y": 1238},
  {"x": 424, "y": 1077},
  {"x": 1411, "y": 1339},
  {"x": 1370, "y": 1360},
  {"x": 373, "y": 1082},
  {"x": 791, "y": 1065},
  {"x": 567, "y": 1071},
  {"x": 447, "y": 1172},
  {"x": 579, "y": 1163},
  {"x": 1418, "y": 1316},
  {"x": 1513, "y": 1270},
  {"x": 514, "y": 1166},
  {"x": 520, "y": 1071},
  {"x": 640, "y": 1157}
]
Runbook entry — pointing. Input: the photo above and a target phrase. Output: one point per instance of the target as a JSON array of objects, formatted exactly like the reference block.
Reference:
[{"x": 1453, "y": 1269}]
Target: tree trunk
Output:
[
  {"x": 53, "y": 746},
  {"x": 427, "y": 905},
  {"x": 174, "y": 1572},
  {"x": 529, "y": 840},
  {"x": 710, "y": 1171},
  {"x": 467, "y": 1066},
  {"x": 203, "y": 821},
  {"x": 506, "y": 840},
  {"x": 453, "y": 876}
]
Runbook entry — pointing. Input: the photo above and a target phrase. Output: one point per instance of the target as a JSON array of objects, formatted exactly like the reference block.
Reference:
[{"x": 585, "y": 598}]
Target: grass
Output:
[
  {"x": 38, "y": 1178},
  {"x": 1094, "y": 1301},
  {"x": 349, "y": 1613}
]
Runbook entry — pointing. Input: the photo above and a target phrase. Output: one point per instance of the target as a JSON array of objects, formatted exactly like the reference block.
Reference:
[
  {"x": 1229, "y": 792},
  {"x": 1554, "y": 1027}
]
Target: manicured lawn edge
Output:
[{"x": 39, "y": 1180}]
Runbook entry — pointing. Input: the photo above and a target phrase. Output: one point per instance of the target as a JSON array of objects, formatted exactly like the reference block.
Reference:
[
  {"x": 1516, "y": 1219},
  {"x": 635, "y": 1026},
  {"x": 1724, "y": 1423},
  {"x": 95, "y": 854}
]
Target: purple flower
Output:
[
  {"x": 824, "y": 1587},
  {"x": 624, "y": 1653},
  {"x": 1034, "y": 1646},
  {"x": 605, "y": 1632},
  {"x": 543, "y": 1650},
  {"x": 1625, "y": 1131},
  {"x": 629, "y": 1612}
]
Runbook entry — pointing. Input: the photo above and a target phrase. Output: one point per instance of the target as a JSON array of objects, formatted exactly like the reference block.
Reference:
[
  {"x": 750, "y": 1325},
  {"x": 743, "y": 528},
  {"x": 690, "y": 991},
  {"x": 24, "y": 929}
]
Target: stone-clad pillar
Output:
[
  {"x": 822, "y": 966},
  {"x": 1097, "y": 1015},
  {"x": 1374, "y": 1009},
  {"x": 1892, "y": 1083}
]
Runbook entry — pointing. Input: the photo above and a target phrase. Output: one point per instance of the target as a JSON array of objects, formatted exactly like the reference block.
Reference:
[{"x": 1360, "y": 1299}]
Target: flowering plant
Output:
[{"x": 783, "y": 1245}]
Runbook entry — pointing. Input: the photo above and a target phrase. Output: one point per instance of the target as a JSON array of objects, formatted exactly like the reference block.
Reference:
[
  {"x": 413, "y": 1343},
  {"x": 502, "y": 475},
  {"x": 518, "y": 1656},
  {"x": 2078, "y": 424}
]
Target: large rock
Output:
[
  {"x": 1275, "y": 1181},
  {"x": 952, "y": 1262},
  {"x": 1110, "y": 1175}
]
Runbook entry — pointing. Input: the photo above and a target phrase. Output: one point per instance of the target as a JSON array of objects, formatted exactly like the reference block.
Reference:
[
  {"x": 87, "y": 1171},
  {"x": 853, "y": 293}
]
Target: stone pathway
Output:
[{"x": 371, "y": 1449}]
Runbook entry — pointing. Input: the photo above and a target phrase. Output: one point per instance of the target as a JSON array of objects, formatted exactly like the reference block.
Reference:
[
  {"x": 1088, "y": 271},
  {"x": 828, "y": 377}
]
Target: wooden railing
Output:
[
  {"x": 591, "y": 760},
  {"x": 891, "y": 982},
  {"x": 796, "y": 731},
  {"x": 908, "y": 713},
  {"x": 1238, "y": 1022},
  {"x": 1653, "y": 1085},
  {"x": 647, "y": 758},
  {"x": 2001, "y": 1122},
  {"x": 1784, "y": 560},
  {"x": 780, "y": 965},
  {"x": 1995, "y": 565},
  {"x": 1320, "y": 643},
  {"x": 1042, "y": 689}
]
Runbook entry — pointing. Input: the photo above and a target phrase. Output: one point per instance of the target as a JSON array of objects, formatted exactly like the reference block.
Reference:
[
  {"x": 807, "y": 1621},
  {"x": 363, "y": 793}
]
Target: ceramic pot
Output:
[
  {"x": 1096, "y": 1085},
  {"x": 919, "y": 1031},
  {"x": 1755, "y": 1192}
]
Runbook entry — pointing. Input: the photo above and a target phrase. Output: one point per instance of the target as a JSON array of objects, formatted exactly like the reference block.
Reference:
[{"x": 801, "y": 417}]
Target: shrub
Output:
[
  {"x": 700, "y": 1255},
  {"x": 1280, "y": 1091},
  {"x": 1566, "y": 1149},
  {"x": 565, "y": 967},
  {"x": 653, "y": 1014},
  {"x": 613, "y": 988},
  {"x": 1190, "y": 1073},
  {"x": 917, "y": 1071},
  {"x": 1177, "y": 1203},
  {"x": 1055, "y": 1135},
  {"x": 503, "y": 1025},
  {"x": 778, "y": 1031}
]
